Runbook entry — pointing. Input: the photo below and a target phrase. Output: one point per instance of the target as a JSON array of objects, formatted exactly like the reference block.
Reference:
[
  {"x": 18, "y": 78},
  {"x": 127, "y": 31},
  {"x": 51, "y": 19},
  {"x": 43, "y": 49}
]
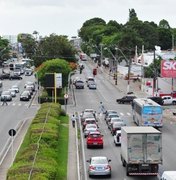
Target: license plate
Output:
[
  {"x": 95, "y": 143},
  {"x": 99, "y": 168}
]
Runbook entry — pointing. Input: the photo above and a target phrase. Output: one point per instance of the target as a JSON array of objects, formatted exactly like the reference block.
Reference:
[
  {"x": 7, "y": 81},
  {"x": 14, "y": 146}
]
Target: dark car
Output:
[
  {"x": 157, "y": 99},
  {"x": 125, "y": 99},
  {"x": 25, "y": 96},
  {"x": 14, "y": 76},
  {"x": 79, "y": 84},
  {"x": 4, "y": 76}
]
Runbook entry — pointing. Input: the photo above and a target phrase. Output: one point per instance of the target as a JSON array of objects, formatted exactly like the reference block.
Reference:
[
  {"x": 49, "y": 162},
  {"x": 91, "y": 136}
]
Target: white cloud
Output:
[{"x": 67, "y": 16}]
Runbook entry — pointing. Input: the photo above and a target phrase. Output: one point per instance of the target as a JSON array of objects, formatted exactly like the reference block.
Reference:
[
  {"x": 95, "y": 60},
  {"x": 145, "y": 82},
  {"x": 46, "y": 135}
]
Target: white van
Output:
[{"x": 169, "y": 175}]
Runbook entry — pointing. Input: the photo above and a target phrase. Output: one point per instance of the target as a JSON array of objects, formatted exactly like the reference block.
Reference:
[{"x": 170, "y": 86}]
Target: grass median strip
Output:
[{"x": 45, "y": 158}]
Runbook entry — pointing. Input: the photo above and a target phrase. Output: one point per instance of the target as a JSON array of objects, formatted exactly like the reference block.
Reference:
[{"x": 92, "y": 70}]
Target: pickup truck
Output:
[{"x": 168, "y": 100}]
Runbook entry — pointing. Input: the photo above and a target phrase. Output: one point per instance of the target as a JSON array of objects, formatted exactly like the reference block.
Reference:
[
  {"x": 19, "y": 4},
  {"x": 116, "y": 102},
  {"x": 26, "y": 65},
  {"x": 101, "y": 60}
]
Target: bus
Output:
[{"x": 146, "y": 112}]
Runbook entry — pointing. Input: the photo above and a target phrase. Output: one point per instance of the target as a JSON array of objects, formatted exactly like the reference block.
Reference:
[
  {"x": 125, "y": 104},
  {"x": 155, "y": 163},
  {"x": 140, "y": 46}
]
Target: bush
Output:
[{"x": 49, "y": 163}]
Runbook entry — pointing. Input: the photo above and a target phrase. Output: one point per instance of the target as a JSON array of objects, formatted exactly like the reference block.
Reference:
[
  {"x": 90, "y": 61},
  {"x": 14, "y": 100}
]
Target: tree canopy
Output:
[
  {"x": 54, "y": 66},
  {"x": 126, "y": 36}
]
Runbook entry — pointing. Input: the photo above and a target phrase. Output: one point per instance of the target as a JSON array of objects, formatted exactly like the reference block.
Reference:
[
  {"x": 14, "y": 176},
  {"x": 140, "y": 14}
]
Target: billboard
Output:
[
  {"x": 58, "y": 80},
  {"x": 168, "y": 68}
]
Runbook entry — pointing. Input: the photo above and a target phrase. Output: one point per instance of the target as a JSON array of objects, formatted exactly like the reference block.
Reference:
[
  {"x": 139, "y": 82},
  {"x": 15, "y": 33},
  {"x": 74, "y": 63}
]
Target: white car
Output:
[
  {"x": 117, "y": 138},
  {"x": 30, "y": 84},
  {"x": 92, "y": 85},
  {"x": 28, "y": 72},
  {"x": 13, "y": 92},
  {"x": 16, "y": 88},
  {"x": 7, "y": 95},
  {"x": 99, "y": 166},
  {"x": 90, "y": 128}
]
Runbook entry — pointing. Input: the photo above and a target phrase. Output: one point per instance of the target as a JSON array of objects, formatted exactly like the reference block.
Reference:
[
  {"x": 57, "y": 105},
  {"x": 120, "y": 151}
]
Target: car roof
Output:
[{"x": 90, "y": 119}]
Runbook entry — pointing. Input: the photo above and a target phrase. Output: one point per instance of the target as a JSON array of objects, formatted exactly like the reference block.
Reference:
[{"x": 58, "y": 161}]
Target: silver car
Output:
[
  {"x": 92, "y": 85},
  {"x": 6, "y": 94},
  {"x": 99, "y": 166},
  {"x": 13, "y": 92}
]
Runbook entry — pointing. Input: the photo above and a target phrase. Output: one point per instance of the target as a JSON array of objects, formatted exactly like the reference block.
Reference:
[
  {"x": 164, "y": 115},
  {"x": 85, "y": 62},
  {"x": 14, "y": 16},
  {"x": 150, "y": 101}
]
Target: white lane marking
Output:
[
  {"x": 121, "y": 114},
  {"x": 129, "y": 114}
]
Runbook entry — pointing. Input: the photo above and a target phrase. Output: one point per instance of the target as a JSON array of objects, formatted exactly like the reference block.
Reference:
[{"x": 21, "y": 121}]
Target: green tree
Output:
[
  {"x": 28, "y": 44},
  {"x": 164, "y": 24},
  {"x": 132, "y": 15},
  {"x": 53, "y": 47},
  {"x": 4, "y": 49},
  {"x": 54, "y": 66},
  {"x": 165, "y": 38}
]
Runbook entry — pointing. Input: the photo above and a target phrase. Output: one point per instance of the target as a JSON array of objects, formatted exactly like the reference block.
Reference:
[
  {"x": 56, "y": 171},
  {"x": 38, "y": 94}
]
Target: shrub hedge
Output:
[{"x": 51, "y": 159}]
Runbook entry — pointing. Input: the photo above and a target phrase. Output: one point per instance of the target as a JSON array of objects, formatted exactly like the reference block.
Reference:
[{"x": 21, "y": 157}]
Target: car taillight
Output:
[
  {"x": 108, "y": 167},
  {"x": 91, "y": 167}
]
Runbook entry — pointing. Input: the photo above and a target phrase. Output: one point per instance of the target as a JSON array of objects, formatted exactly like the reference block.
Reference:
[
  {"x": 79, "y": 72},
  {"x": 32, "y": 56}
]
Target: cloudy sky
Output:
[{"x": 66, "y": 17}]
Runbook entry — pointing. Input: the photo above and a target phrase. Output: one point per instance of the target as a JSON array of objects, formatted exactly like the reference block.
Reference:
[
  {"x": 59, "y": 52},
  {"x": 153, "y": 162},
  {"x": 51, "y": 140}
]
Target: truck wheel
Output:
[
  {"x": 174, "y": 102},
  {"x": 123, "y": 162},
  {"x": 127, "y": 173}
]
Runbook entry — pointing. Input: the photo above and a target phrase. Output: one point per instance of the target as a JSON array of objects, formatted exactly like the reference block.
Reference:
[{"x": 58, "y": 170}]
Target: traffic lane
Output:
[
  {"x": 12, "y": 114},
  {"x": 84, "y": 101},
  {"x": 169, "y": 147},
  {"x": 111, "y": 151}
]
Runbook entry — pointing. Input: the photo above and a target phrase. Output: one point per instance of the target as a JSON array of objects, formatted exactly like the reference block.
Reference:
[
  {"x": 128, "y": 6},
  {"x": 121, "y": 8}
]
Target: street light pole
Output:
[
  {"x": 116, "y": 65},
  {"x": 129, "y": 69}
]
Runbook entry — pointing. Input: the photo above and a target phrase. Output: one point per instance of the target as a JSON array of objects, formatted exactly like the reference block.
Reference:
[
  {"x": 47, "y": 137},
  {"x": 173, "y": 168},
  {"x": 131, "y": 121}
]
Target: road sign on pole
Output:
[
  {"x": 65, "y": 101},
  {"x": 12, "y": 133}
]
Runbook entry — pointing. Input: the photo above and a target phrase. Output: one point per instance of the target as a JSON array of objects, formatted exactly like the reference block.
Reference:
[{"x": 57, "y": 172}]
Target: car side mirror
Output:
[
  {"x": 88, "y": 161},
  {"x": 109, "y": 160}
]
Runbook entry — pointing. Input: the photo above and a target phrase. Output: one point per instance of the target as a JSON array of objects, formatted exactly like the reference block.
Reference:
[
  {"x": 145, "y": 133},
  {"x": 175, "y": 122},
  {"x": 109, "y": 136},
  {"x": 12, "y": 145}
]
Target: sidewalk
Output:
[{"x": 121, "y": 82}]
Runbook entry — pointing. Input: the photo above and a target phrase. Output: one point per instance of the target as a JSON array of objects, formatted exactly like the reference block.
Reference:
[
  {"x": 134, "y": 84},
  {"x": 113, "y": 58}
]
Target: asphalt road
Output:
[
  {"x": 107, "y": 93},
  {"x": 16, "y": 111}
]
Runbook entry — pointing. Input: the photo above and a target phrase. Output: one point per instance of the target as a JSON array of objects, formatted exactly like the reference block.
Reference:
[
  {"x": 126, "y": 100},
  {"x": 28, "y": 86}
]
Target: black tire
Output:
[
  {"x": 174, "y": 102},
  {"x": 127, "y": 173}
]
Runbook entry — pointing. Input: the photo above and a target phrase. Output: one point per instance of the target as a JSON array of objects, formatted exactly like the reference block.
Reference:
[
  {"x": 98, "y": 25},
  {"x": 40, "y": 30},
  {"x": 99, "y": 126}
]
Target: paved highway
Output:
[
  {"x": 107, "y": 93},
  {"x": 16, "y": 111}
]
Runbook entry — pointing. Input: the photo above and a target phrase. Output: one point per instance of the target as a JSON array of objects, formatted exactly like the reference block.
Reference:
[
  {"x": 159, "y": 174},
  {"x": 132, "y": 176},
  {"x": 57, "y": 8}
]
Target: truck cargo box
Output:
[{"x": 141, "y": 145}]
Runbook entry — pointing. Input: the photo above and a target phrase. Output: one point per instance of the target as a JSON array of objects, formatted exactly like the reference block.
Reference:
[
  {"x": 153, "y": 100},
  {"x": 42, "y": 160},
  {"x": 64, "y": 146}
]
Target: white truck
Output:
[
  {"x": 141, "y": 150},
  {"x": 168, "y": 100}
]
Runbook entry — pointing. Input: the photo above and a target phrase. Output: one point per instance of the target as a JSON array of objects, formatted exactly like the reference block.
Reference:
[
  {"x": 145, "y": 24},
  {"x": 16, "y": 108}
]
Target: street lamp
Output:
[
  {"x": 116, "y": 61},
  {"x": 129, "y": 68}
]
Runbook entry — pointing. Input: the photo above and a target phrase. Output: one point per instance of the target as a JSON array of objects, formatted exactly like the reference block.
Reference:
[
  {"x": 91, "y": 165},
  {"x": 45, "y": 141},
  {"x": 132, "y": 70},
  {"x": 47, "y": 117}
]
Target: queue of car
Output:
[
  {"x": 80, "y": 84},
  {"x": 99, "y": 165}
]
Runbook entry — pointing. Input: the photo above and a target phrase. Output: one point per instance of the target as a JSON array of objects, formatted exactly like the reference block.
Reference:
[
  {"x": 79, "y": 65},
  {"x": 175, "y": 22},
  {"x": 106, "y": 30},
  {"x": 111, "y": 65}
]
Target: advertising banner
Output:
[
  {"x": 168, "y": 68},
  {"x": 58, "y": 80}
]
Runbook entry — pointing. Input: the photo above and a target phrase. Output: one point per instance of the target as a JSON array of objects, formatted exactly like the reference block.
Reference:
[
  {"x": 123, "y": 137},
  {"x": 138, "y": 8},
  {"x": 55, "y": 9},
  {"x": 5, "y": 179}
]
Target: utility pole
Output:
[
  {"x": 115, "y": 63},
  {"x": 155, "y": 74},
  {"x": 101, "y": 55}
]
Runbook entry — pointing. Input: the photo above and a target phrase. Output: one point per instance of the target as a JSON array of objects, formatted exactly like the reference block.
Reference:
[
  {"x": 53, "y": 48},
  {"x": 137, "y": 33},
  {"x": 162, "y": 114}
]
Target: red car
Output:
[{"x": 95, "y": 139}]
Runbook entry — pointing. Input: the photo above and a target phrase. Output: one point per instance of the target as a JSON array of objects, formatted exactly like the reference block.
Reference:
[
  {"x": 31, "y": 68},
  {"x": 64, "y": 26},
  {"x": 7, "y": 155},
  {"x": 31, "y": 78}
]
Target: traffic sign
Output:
[{"x": 12, "y": 132}]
